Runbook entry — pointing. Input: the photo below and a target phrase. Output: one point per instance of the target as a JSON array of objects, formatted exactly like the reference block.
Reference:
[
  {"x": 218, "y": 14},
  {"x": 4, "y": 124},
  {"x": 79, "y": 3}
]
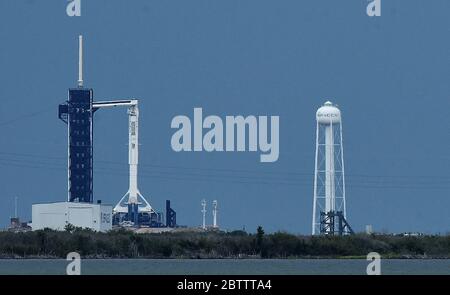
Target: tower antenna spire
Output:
[{"x": 80, "y": 61}]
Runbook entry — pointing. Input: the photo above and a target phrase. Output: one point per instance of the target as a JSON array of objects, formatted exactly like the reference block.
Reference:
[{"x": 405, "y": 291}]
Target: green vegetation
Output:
[{"x": 237, "y": 244}]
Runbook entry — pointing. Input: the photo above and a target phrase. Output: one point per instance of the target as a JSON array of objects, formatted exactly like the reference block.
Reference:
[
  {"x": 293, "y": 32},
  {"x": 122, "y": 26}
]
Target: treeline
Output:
[{"x": 238, "y": 244}]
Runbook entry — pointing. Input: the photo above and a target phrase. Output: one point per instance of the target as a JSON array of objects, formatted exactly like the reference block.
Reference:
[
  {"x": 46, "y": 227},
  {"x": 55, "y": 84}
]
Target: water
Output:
[{"x": 223, "y": 266}]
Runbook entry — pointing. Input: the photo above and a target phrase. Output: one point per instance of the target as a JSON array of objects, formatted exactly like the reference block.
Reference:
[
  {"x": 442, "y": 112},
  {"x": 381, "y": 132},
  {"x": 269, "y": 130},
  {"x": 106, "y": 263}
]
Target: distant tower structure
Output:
[
  {"x": 329, "y": 208},
  {"x": 78, "y": 113},
  {"x": 204, "y": 213},
  {"x": 16, "y": 215},
  {"x": 214, "y": 212},
  {"x": 171, "y": 215}
]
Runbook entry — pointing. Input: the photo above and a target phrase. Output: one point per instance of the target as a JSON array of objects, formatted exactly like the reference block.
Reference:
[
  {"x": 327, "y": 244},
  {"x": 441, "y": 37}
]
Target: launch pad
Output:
[{"x": 133, "y": 209}]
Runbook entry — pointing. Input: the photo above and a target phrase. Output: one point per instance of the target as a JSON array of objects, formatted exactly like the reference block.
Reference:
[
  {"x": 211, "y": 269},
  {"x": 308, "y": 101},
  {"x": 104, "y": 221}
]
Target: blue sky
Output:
[{"x": 389, "y": 75}]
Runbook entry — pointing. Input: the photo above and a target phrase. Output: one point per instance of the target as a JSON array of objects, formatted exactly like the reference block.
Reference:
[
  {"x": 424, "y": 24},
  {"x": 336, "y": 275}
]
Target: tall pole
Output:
[
  {"x": 329, "y": 168},
  {"x": 314, "y": 222},
  {"x": 204, "y": 213},
  {"x": 80, "y": 61},
  {"x": 15, "y": 207},
  {"x": 215, "y": 213},
  {"x": 343, "y": 171}
]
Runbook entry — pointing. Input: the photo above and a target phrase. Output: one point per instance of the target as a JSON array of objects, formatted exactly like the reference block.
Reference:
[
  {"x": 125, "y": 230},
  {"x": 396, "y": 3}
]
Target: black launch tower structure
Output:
[{"x": 78, "y": 114}]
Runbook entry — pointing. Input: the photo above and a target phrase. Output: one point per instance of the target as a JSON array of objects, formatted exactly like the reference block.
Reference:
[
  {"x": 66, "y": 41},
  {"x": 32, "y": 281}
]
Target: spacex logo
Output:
[
  {"x": 320, "y": 115},
  {"x": 73, "y": 8}
]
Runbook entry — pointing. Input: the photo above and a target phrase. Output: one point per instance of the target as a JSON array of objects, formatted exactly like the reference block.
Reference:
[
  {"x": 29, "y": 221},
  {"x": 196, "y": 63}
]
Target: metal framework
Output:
[
  {"x": 329, "y": 176},
  {"x": 171, "y": 215},
  {"x": 77, "y": 114},
  {"x": 332, "y": 223}
]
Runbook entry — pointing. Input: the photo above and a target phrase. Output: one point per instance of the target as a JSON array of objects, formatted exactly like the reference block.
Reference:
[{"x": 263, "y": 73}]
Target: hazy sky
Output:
[{"x": 390, "y": 76}]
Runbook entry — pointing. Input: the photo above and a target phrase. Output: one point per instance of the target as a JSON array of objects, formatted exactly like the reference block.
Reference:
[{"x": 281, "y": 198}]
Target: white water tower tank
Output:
[{"x": 328, "y": 113}]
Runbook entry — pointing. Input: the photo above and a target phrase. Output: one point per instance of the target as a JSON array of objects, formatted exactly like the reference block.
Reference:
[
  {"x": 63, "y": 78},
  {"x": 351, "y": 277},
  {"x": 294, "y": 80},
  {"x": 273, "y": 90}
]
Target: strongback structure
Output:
[{"x": 329, "y": 208}]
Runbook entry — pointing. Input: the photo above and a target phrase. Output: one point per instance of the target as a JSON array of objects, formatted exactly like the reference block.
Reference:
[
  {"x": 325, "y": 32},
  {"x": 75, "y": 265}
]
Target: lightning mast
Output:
[
  {"x": 204, "y": 213},
  {"x": 15, "y": 207},
  {"x": 214, "y": 212},
  {"x": 80, "y": 61}
]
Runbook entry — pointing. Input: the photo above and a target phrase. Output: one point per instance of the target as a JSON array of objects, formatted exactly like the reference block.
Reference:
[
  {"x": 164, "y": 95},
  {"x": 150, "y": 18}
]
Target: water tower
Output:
[{"x": 329, "y": 208}]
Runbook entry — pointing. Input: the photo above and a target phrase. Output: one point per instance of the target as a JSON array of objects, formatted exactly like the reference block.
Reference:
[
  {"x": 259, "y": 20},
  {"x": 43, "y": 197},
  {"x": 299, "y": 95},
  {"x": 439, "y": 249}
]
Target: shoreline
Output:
[{"x": 237, "y": 245}]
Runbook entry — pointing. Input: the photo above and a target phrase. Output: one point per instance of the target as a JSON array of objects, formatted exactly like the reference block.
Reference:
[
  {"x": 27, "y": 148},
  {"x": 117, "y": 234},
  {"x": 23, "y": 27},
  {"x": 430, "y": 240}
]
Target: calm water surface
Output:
[{"x": 223, "y": 266}]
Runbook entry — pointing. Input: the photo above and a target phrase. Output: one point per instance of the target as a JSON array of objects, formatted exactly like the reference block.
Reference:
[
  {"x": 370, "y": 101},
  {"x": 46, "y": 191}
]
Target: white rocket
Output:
[{"x": 133, "y": 196}]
